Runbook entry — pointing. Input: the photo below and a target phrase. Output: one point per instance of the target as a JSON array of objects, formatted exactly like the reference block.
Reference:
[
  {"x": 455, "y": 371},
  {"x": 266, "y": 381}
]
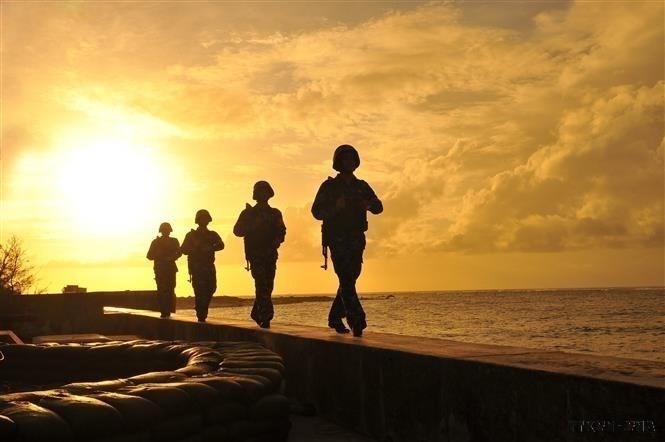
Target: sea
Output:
[{"x": 621, "y": 322}]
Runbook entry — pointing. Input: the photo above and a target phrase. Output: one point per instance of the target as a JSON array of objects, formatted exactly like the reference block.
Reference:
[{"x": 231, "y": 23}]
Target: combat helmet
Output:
[
  {"x": 262, "y": 188},
  {"x": 345, "y": 148},
  {"x": 202, "y": 216},
  {"x": 165, "y": 228}
]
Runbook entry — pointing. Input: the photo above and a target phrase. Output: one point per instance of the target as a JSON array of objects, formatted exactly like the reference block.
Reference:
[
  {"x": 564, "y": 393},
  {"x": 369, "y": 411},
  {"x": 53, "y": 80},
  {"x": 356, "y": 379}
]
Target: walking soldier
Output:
[
  {"x": 263, "y": 230},
  {"x": 342, "y": 204},
  {"x": 164, "y": 251},
  {"x": 200, "y": 246}
]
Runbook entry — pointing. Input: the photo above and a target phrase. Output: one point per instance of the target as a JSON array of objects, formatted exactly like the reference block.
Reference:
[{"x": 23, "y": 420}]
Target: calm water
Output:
[{"x": 625, "y": 322}]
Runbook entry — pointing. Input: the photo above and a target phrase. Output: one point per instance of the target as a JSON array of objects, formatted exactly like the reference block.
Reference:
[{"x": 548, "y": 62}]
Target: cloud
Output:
[{"x": 479, "y": 133}]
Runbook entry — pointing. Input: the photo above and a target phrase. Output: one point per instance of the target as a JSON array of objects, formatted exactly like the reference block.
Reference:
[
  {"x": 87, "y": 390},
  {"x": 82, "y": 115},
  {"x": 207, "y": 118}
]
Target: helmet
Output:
[
  {"x": 262, "y": 188},
  {"x": 202, "y": 216},
  {"x": 345, "y": 149},
  {"x": 165, "y": 227}
]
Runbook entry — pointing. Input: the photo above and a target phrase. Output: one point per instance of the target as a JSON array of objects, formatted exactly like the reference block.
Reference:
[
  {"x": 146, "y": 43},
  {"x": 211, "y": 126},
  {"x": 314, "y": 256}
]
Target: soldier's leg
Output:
[
  {"x": 347, "y": 259},
  {"x": 162, "y": 293},
  {"x": 337, "y": 312},
  {"x": 171, "y": 293},
  {"x": 355, "y": 314},
  {"x": 209, "y": 286},
  {"x": 198, "y": 284},
  {"x": 263, "y": 272}
]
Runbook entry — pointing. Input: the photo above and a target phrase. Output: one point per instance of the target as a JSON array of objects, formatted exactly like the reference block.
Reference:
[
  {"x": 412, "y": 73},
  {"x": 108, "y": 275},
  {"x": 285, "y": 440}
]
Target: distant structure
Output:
[{"x": 74, "y": 289}]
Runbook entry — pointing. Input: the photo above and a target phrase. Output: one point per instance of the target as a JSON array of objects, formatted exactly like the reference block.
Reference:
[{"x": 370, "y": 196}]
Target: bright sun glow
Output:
[{"x": 109, "y": 185}]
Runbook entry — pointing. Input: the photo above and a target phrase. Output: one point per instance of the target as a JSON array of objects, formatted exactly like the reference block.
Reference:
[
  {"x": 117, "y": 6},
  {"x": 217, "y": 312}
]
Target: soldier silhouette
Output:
[
  {"x": 200, "y": 246},
  {"x": 263, "y": 230},
  {"x": 164, "y": 251},
  {"x": 342, "y": 204}
]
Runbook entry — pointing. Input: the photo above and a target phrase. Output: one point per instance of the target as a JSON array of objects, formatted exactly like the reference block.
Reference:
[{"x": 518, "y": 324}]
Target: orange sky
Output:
[{"x": 514, "y": 144}]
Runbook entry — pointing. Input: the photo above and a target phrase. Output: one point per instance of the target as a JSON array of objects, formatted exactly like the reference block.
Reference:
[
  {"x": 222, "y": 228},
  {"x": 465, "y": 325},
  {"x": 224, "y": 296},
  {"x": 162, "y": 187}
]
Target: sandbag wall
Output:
[{"x": 142, "y": 391}]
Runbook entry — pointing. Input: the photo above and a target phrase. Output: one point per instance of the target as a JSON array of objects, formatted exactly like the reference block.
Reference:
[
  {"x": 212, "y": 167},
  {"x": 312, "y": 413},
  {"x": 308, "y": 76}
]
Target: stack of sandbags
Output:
[{"x": 177, "y": 391}]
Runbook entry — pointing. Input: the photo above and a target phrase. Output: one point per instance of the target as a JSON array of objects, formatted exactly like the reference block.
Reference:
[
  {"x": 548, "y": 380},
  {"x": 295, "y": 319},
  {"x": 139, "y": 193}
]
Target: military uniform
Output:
[
  {"x": 343, "y": 232},
  {"x": 263, "y": 230},
  {"x": 200, "y": 246},
  {"x": 164, "y": 251}
]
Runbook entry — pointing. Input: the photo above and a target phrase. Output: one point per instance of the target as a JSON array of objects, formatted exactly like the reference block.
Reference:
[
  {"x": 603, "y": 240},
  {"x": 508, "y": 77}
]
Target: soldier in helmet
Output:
[
  {"x": 164, "y": 251},
  {"x": 200, "y": 246},
  {"x": 263, "y": 230},
  {"x": 342, "y": 204}
]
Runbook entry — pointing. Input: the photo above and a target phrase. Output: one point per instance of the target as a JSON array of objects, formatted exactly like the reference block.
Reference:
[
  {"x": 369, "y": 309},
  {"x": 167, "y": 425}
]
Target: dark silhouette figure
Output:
[
  {"x": 164, "y": 251},
  {"x": 263, "y": 230},
  {"x": 200, "y": 246},
  {"x": 342, "y": 204}
]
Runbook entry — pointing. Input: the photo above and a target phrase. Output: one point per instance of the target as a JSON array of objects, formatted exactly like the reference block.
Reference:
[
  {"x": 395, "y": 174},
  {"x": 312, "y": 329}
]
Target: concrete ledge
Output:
[
  {"x": 397, "y": 388},
  {"x": 33, "y": 315}
]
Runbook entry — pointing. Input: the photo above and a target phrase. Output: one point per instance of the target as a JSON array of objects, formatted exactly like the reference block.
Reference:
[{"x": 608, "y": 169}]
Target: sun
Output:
[{"x": 110, "y": 184}]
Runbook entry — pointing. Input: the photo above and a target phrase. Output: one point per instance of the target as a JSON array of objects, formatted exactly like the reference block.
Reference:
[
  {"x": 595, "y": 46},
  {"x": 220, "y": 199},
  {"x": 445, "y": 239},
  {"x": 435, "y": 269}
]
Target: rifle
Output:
[
  {"x": 324, "y": 248},
  {"x": 248, "y": 267}
]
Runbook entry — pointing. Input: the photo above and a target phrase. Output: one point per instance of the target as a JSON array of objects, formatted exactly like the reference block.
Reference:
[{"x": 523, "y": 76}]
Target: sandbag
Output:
[
  {"x": 8, "y": 429},
  {"x": 15, "y": 353},
  {"x": 213, "y": 359},
  {"x": 215, "y": 433},
  {"x": 270, "y": 407},
  {"x": 91, "y": 387},
  {"x": 88, "y": 418},
  {"x": 227, "y": 387},
  {"x": 158, "y": 376},
  {"x": 273, "y": 377},
  {"x": 137, "y": 412},
  {"x": 255, "y": 357},
  {"x": 252, "y": 387},
  {"x": 241, "y": 430},
  {"x": 176, "y": 428},
  {"x": 203, "y": 395},
  {"x": 34, "y": 423},
  {"x": 134, "y": 437},
  {"x": 195, "y": 370},
  {"x": 251, "y": 363},
  {"x": 192, "y": 351},
  {"x": 172, "y": 401},
  {"x": 225, "y": 411}
]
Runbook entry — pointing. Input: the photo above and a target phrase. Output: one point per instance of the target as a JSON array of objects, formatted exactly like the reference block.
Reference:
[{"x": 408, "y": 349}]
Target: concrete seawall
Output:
[{"x": 397, "y": 388}]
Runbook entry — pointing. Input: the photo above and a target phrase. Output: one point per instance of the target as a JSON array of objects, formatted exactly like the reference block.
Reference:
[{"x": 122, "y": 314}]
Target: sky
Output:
[{"x": 513, "y": 144}]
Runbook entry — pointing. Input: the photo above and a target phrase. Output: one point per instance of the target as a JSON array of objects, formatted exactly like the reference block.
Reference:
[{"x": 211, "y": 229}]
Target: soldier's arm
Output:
[
  {"x": 186, "y": 247},
  {"x": 240, "y": 228},
  {"x": 217, "y": 244},
  {"x": 323, "y": 207},
  {"x": 374, "y": 204},
  {"x": 151, "y": 251},
  {"x": 177, "y": 253},
  {"x": 281, "y": 227}
]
